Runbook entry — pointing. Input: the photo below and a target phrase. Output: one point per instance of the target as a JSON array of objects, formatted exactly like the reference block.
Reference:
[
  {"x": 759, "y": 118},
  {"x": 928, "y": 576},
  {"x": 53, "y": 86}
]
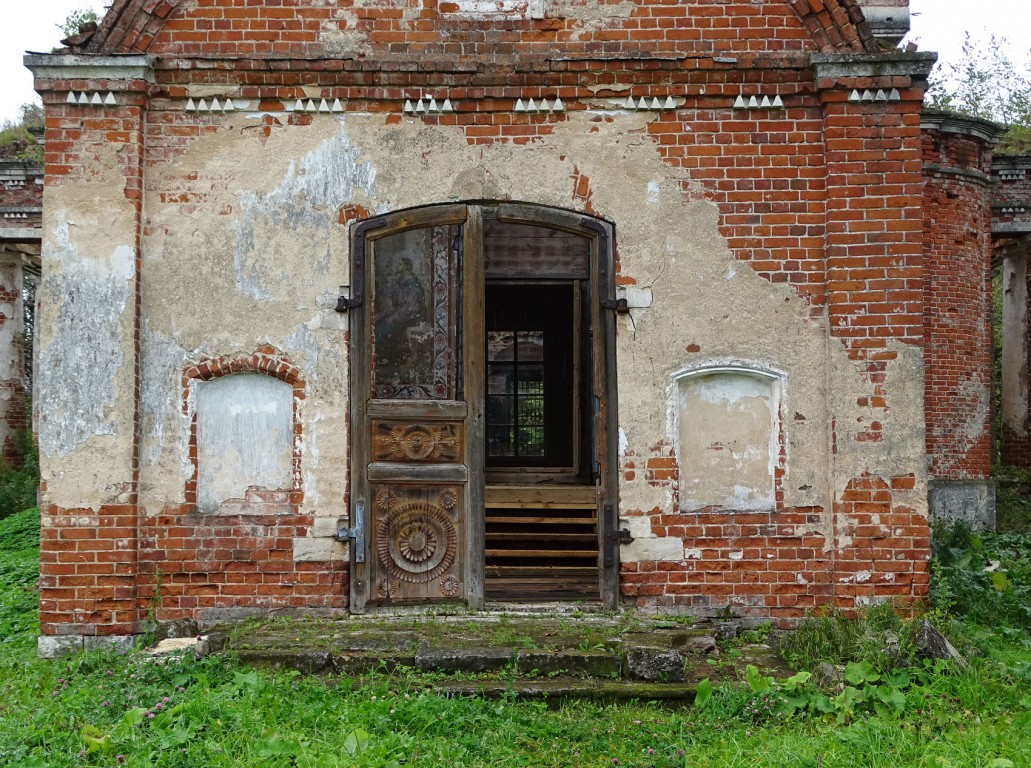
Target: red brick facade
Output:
[
  {"x": 21, "y": 198},
  {"x": 958, "y": 312},
  {"x": 784, "y": 116}
]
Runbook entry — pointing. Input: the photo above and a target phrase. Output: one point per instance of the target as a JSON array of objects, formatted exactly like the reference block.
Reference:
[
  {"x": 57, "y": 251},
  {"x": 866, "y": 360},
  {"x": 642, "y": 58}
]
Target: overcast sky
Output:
[{"x": 938, "y": 25}]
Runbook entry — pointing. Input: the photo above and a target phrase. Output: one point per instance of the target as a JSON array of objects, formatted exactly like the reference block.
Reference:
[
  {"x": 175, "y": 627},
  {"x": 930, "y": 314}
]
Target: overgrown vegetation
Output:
[
  {"x": 18, "y": 484},
  {"x": 76, "y": 20},
  {"x": 990, "y": 85},
  {"x": 18, "y": 138},
  {"x": 885, "y": 707}
]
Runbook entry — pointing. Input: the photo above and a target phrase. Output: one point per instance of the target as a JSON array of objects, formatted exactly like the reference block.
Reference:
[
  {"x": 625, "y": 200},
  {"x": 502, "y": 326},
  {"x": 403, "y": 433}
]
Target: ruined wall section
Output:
[
  {"x": 88, "y": 342},
  {"x": 1011, "y": 243},
  {"x": 875, "y": 286},
  {"x": 822, "y": 197},
  {"x": 957, "y": 159},
  {"x": 21, "y": 198}
]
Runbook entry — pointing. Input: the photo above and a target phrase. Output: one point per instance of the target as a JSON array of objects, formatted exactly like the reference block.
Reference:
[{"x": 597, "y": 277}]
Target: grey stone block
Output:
[
  {"x": 582, "y": 663},
  {"x": 968, "y": 501},
  {"x": 55, "y": 646},
  {"x": 122, "y": 643},
  {"x": 462, "y": 660},
  {"x": 175, "y": 628},
  {"x": 653, "y": 665}
]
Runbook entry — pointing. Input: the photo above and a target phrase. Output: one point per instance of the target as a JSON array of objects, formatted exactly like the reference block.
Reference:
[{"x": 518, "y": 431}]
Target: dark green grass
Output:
[{"x": 102, "y": 709}]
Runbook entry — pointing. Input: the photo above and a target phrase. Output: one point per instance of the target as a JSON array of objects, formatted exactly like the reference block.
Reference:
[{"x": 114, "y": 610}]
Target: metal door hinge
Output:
[
  {"x": 612, "y": 540},
  {"x": 356, "y": 533},
  {"x": 621, "y": 536},
  {"x": 621, "y": 305}
]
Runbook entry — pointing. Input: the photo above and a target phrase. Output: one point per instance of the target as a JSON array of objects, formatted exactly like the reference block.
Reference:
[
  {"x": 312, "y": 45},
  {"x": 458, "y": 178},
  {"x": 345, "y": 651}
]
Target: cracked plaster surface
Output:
[{"x": 267, "y": 273}]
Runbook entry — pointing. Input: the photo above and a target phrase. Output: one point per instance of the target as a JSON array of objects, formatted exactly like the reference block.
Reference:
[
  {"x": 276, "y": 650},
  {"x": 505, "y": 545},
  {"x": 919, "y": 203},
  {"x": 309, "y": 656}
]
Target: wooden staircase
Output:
[{"x": 541, "y": 542}]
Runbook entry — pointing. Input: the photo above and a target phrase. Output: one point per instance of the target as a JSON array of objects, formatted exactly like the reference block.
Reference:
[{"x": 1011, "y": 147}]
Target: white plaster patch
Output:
[
  {"x": 639, "y": 527},
  {"x": 737, "y": 555},
  {"x": 86, "y": 299},
  {"x": 667, "y": 548},
  {"x": 244, "y": 437},
  {"x": 860, "y": 577},
  {"x": 637, "y": 297},
  {"x": 325, "y": 526},
  {"x": 653, "y": 192},
  {"x": 319, "y": 550}
]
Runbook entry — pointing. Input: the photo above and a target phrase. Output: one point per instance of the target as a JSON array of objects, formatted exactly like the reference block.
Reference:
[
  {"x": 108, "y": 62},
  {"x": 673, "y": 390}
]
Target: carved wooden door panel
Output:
[{"x": 416, "y": 413}]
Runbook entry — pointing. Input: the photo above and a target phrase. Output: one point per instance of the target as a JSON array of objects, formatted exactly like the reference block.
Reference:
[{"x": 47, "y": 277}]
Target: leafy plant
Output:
[
  {"x": 989, "y": 85},
  {"x": 877, "y": 635}
]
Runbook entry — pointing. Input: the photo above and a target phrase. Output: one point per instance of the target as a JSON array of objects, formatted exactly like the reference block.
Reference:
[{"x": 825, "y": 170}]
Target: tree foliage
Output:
[
  {"x": 70, "y": 26},
  {"x": 17, "y": 138},
  {"x": 988, "y": 83}
]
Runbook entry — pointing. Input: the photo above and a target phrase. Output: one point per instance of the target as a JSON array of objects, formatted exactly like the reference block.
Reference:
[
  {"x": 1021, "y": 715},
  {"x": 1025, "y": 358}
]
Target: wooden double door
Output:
[{"x": 482, "y": 429}]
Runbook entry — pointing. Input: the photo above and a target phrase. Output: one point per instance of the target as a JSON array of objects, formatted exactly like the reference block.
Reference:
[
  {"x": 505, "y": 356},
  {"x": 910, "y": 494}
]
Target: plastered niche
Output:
[
  {"x": 727, "y": 446},
  {"x": 86, "y": 356},
  {"x": 244, "y": 437},
  {"x": 11, "y": 325}
]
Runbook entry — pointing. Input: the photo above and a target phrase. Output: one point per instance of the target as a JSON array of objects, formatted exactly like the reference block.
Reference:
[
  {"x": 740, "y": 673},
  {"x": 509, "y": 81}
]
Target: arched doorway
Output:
[{"x": 482, "y": 406}]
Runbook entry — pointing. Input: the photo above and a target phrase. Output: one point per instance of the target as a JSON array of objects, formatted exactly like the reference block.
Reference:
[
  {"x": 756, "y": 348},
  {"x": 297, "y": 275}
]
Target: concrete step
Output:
[{"x": 533, "y": 653}]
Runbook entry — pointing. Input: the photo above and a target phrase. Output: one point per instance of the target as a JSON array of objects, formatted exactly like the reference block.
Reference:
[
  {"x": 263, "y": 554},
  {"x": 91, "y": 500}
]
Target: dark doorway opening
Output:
[{"x": 541, "y": 520}]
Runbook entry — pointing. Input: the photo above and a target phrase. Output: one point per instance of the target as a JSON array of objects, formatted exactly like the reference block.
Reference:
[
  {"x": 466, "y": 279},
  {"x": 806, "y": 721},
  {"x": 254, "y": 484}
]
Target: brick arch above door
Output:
[{"x": 132, "y": 26}]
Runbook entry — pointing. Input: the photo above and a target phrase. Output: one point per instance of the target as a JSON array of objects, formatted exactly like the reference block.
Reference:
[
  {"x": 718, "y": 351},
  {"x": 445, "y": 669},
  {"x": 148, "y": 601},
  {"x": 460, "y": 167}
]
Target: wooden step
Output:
[
  {"x": 535, "y": 571},
  {"x": 537, "y": 538},
  {"x": 528, "y": 520},
  {"x": 491, "y": 553},
  {"x": 541, "y": 542},
  {"x": 541, "y": 497}
]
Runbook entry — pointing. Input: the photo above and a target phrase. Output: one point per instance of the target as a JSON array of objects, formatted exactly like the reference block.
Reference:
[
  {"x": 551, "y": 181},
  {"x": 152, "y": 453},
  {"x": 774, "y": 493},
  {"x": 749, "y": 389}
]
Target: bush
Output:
[
  {"x": 984, "y": 579},
  {"x": 18, "y": 486}
]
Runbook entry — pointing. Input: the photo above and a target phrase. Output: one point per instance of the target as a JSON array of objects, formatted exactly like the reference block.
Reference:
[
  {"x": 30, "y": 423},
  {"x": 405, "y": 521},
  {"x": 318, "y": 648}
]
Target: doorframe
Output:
[{"x": 603, "y": 378}]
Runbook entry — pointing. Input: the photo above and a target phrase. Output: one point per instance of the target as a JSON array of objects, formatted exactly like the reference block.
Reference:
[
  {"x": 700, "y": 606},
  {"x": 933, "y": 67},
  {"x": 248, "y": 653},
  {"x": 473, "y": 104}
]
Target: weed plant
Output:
[
  {"x": 876, "y": 635},
  {"x": 984, "y": 579}
]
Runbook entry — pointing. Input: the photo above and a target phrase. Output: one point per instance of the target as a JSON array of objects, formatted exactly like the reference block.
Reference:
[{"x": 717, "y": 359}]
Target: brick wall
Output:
[
  {"x": 814, "y": 169},
  {"x": 958, "y": 311},
  {"x": 413, "y": 30}
]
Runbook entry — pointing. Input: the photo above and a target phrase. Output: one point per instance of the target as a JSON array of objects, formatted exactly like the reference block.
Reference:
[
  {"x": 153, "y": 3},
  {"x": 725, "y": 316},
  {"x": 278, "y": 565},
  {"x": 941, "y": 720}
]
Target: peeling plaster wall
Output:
[
  {"x": 1014, "y": 351},
  {"x": 86, "y": 372},
  {"x": 265, "y": 253}
]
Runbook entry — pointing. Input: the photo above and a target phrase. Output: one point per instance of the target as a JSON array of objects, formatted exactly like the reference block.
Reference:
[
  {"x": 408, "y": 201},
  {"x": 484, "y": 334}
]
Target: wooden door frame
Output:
[{"x": 472, "y": 292}]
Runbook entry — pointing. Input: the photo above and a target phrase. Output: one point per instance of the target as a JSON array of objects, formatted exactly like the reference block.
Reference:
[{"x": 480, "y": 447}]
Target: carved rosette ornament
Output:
[
  {"x": 415, "y": 442},
  {"x": 385, "y": 499},
  {"x": 416, "y": 542},
  {"x": 387, "y": 588},
  {"x": 449, "y": 585},
  {"x": 448, "y": 500}
]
